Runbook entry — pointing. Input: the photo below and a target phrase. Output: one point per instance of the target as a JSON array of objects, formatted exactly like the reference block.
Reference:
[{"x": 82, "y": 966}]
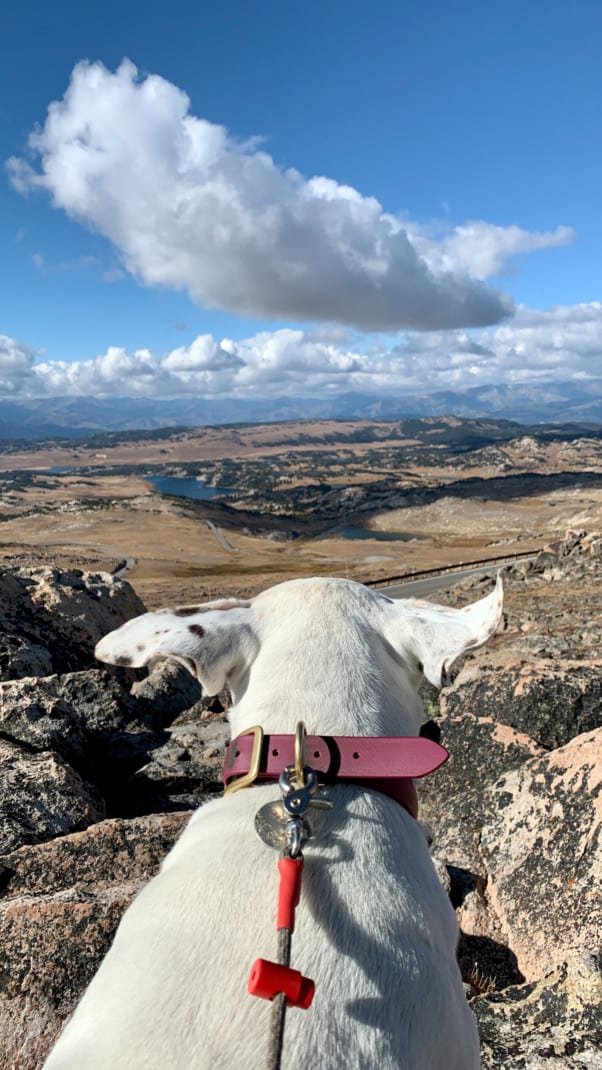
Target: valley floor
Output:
[{"x": 299, "y": 489}]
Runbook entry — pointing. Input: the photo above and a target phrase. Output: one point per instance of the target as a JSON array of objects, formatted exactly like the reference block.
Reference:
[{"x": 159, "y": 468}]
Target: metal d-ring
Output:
[{"x": 300, "y": 733}]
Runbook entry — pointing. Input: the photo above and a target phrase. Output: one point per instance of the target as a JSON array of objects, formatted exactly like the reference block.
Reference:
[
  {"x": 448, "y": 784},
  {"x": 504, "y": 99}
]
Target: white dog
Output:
[{"x": 375, "y": 929}]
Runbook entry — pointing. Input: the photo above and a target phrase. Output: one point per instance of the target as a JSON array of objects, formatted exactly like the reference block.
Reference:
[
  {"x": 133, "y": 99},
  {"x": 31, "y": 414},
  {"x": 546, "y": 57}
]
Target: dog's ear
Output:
[
  {"x": 215, "y": 641},
  {"x": 437, "y": 635}
]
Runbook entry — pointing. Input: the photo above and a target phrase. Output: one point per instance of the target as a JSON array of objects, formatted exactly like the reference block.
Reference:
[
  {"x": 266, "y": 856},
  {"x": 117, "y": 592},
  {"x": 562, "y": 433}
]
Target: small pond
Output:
[
  {"x": 188, "y": 488},
  {"x": 350, "y": 531}
]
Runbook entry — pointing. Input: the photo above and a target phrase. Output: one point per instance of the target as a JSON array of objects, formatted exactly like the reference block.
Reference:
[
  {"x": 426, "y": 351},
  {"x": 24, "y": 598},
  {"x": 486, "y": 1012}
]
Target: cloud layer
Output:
[
  {"x": 189, "y": 207},
  {"x": 563, "y": 344},
  {"x": 17, "y": 372}
]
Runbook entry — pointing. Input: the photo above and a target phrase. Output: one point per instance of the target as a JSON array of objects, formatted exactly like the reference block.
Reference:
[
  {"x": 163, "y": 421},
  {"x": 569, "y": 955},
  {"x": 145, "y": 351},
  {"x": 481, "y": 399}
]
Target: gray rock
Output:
[
  {"x": 62, "y": 903},
  {"x": 167, "y": 691},
  {"x": 186, "y": 768},
  {"x": 91, "y": 720},
  {"x": 65, "y": 612},
  {"x": 115, "y": 741},
  {"x": 551, "y": 702},
  {"x": 41, "y": 796},
  {"x": 65, "y": 713},
  {"x": 20, "y": 657},
  {"x": 452, "y": 799},
  {"x": 553, "y": 1024},
  {"x": 542, "y": 851}
]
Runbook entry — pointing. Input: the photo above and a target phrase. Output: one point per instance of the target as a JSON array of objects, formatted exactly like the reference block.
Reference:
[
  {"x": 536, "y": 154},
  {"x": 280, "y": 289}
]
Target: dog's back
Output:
[{"x": 375, "y": 929}]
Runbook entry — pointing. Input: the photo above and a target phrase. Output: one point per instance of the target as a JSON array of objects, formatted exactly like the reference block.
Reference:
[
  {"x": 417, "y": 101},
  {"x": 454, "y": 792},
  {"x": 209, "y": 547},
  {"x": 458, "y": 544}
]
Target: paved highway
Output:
[{"x": 422, "y": 588}]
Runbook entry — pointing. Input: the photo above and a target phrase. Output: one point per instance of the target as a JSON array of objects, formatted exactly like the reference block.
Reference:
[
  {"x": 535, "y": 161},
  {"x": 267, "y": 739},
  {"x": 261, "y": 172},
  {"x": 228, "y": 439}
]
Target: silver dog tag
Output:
[
  {"x": 270, "y": 826},
  {"x": 270, "y": 823}
]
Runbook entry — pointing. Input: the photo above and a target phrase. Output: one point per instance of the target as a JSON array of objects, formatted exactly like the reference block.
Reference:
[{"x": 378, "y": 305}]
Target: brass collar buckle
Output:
[{"x": 247, "y": 778}]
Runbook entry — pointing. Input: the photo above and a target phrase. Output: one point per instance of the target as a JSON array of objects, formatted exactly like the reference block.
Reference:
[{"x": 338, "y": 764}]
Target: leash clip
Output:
[
  {"x": 297, "y": 783},
  {"x": 296, "y": 801}
]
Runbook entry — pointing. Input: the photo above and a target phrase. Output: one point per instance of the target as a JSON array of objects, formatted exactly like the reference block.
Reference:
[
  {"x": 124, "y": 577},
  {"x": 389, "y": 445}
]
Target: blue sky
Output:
[{"x": 476, "y": 129}]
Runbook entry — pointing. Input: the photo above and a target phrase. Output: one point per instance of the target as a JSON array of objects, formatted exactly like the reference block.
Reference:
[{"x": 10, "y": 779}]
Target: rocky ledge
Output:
[{"x": 101, "y": 770}]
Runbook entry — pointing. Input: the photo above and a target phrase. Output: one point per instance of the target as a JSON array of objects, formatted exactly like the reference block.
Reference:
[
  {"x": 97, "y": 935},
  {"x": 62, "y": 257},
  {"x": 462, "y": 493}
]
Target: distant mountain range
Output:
[{"x": 74, "y": 417}]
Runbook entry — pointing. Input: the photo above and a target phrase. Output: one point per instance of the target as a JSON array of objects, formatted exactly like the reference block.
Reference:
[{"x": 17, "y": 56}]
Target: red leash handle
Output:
[
  {"x": 268, "y": 979},
  {"x": 289, "y": 892}
]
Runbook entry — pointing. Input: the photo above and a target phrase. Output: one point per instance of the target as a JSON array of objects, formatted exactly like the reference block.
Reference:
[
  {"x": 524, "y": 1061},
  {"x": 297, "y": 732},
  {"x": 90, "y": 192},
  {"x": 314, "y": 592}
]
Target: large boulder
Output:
[
  {"x": 53, "y": 618},
  {"x": 551, "y": 700},
  {"x": 41, "y": 797},
  {"x": 453, "y": 807},
  {"x": 186, "y": 768},
  {"x": 525, "y": 865},
  {"x": 517, "y": 828},
  {"x": 553, "y": 1024},
  {"x": 62, "y": 902},
  {"x": 22, "y": 657},
  {"x": 515, "y": 814},
  {"x": 114, "y": 741},
  {"x": 69, "y": 713},
  {"x": 167, "y": 691},
  {"x": 452, "y": 801},
  {"x": 542, "y": 851},
  {"x": 91, "y": 721}
]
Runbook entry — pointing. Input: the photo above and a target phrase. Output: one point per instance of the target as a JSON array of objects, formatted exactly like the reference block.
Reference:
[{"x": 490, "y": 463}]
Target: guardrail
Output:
[{"x": 444, "y": 570}]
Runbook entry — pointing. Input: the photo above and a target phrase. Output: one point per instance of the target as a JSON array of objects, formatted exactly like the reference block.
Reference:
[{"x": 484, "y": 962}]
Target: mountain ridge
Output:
[{"x": 74, "y": 417}]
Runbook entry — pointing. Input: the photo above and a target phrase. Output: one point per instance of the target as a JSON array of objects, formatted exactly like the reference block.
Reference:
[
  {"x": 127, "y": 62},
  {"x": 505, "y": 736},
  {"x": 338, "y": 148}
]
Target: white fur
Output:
[{"x": 375, "y": 929}]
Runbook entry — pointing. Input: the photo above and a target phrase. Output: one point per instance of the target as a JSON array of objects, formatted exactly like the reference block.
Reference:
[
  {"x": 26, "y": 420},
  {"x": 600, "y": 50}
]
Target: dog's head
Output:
[{"x": 327, "y": 642}]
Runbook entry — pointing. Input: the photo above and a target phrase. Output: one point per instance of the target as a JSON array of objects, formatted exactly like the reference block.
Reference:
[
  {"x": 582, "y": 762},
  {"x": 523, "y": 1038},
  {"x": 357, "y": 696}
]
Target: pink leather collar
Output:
[{"x": 384, "y": 763}]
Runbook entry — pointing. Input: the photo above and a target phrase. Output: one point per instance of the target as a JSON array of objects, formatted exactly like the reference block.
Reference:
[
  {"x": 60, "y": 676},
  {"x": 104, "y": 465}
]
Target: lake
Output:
[
  {"x": 196, "y": 489},
  {"x": 188, "y": 488}
]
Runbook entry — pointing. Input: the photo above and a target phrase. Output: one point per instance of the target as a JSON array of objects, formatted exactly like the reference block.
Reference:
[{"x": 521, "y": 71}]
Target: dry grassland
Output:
[{"x": 97, "y": 520}]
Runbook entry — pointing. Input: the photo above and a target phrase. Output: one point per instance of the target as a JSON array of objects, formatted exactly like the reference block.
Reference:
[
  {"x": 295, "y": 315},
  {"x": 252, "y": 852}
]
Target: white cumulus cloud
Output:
[
  {"x": 483, "y": 248},
  {"x": 16, "y": 364},
  {"x": 189, "y": 207},
  {"x": 562, "y": 344}
]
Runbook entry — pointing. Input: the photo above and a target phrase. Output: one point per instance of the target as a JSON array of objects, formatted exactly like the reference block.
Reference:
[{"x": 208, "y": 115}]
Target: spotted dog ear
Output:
[
  {"x": 435, "y": 636},
  {"x": 215, "y": 641}
]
